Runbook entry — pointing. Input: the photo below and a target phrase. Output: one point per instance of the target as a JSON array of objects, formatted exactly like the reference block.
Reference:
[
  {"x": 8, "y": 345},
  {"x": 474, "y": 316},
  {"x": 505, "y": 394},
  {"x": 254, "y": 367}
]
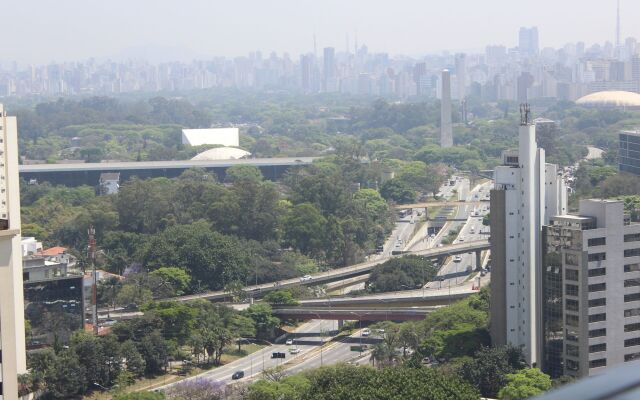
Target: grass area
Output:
[
  {"x": 231, "y": 354},
  {"x": 451, "y": 236}
]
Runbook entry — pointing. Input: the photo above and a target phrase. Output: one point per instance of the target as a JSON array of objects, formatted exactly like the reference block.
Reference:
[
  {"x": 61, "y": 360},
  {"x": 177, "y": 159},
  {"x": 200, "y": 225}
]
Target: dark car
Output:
[{"x": 237, "y": 375}]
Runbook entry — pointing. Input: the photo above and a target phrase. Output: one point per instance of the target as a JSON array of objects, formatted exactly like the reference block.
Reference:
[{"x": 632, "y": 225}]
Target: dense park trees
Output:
[
  {"x": 201, "y": 234},
  {"x": 408, "y": 272},
  {"x": 344, "y": 382}
]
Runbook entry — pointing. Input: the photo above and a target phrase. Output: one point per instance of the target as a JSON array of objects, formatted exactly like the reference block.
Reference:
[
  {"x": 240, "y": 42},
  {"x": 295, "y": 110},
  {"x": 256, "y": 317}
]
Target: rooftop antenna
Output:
[
  {"x": 315, "y": 46},
  {"x": 525, "y": 114},
  {"x": 91, "y": 256}
]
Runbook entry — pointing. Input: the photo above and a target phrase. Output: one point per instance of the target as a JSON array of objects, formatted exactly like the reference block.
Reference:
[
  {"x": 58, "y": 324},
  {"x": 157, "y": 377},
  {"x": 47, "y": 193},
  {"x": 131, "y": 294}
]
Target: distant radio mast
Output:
[
  {"x": 618, "y": 42},
  {"x": 91, "y": 257}
]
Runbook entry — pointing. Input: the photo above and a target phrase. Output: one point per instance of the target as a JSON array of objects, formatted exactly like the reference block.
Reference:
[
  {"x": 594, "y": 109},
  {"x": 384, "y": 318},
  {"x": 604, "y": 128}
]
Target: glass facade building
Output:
[{"x": 629, "y": 152}]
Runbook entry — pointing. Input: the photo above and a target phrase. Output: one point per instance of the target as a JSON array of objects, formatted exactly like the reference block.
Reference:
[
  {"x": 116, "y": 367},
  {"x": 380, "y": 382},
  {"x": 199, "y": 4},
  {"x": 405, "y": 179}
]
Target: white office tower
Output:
[
  {"x": 12, "y": 341},
  {"x": 527, "y": 192},
  {"x": 446, "y": 131}
]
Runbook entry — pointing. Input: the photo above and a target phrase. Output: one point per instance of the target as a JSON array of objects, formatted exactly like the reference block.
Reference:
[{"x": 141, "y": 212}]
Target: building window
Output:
[
  {"x": 572, "y": 305},
  {"x": 596, "y": 348},
  {"x": 571, "y": 259},
  {"x": 597, "y": 242},
  {"x": 572, "y": 350},
  {"x": 597, "y": 272},
  {"x": 631, "y": 297},
  {"x": 632, "y": 342},
  {"x": 631, "y": 357},
  {"x": 571, "y": 290},
  {"x": 598, "y": 256},
  {"x": 598, "y": 302},
  {"x": 632, "y": 267},
  {"x": 572, "y": 365},
  {"x": 602, "y": 362},
  {"x": 572, "y": 336},
  {"x": 632, "y": 253},
  {"x": 572, "y": 320},
  {"x": 632, "y": 327},
  {"x": 632, "y": 237},
  {"x": 598, "y": 332},
  {"x": 632, "y": 312},
  {"x": 571, "y": 274},
  {"x": 597, "y": 287},
  {"x": 598, "y": 317},
  {"x": 632, "y": 282}
]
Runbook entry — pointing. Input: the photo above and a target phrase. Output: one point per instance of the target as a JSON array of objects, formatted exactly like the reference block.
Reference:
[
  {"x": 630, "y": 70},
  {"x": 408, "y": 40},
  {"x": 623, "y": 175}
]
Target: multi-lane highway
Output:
[
  {"x": 457, "y": 268},
  {"x": 307, "y": 338}
]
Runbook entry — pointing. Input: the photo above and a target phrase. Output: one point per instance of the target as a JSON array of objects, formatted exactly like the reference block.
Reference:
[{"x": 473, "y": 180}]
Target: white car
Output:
[
  {"x": 294, "y": 350},
  {"x": 366, "y": 332},
  {"x": 306, "y": 278},
  {"x": 289, "y": 342},
  {"x": 457, "y": 259}
]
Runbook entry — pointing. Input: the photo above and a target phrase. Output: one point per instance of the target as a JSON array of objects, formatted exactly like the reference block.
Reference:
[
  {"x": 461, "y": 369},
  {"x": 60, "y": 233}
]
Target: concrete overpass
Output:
[
  {"x": 357, "y": 314},
  {"x": 441, "y": 204},
  {"x": 339, "y": 274},
  {"x": 89, "y": 173}
]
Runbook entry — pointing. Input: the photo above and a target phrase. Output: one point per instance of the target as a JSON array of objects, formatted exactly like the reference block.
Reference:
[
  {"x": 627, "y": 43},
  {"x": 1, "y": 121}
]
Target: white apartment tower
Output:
[
  {"x": 12, "y": 340},
  {"x": 527, "y": 192}
]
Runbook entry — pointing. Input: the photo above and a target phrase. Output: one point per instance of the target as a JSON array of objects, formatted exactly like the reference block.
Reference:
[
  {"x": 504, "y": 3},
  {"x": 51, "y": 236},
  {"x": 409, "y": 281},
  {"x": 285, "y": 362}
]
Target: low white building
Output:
[
  {"x": 30, "y": 246},
  {"x": 213, "y": 136}
]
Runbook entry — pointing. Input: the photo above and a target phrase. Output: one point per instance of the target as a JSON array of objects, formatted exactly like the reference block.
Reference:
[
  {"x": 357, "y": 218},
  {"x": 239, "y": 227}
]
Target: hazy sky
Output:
[{"x": 44, "y": 30}]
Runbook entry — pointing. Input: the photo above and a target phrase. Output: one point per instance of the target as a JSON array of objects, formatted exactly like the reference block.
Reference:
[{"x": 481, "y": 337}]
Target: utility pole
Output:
[{"x": 91, "y": 257}]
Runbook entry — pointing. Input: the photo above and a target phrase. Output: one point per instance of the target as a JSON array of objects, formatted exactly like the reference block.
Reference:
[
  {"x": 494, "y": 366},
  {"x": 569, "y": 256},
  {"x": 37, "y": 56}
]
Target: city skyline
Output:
[{"x": 412, "y": 29}]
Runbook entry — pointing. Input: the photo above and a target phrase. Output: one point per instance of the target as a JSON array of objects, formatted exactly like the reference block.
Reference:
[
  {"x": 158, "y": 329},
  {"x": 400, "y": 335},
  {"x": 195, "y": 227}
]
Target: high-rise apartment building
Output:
[
  {"x": 591, "y": 290},
  {"x": 446, "y": 126},
  {"x": 330, "y": 81},
  {"x": 12, "y": 340},
  {"x": 305, "y": 72},
  {"x": 527, "y": 192},
  {"x": 528, "y": 42}
]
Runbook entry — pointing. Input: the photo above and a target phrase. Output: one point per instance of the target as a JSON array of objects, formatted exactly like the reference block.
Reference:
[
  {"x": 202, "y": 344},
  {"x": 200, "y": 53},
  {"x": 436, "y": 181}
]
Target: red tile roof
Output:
[{"x": 53, "y": 251}]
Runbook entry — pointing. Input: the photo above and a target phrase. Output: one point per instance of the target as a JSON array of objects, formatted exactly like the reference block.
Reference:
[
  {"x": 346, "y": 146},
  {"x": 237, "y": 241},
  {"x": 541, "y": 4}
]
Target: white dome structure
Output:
[
  {"x": 610, "y": 99},
  {"x": 222, "y": 153}
]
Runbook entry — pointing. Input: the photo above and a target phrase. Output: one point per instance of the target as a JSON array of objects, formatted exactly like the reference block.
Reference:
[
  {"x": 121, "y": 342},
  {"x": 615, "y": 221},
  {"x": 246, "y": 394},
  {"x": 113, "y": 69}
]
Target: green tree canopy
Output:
[{"x": 524, "y": 384}]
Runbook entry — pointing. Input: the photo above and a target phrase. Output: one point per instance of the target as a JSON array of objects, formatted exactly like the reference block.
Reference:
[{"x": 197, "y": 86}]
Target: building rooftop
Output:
[
  {"x": 222, "y": 153},
  {"x": 53, "y": 251},
  {"x": 221, "y": 136},
  {"x": 610, "y": 99}
]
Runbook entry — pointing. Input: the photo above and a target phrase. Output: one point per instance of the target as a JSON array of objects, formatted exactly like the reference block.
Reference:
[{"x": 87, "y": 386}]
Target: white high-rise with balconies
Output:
[
  {"x": 12, "y": 340},
  {"x": 527, "y": 193}
]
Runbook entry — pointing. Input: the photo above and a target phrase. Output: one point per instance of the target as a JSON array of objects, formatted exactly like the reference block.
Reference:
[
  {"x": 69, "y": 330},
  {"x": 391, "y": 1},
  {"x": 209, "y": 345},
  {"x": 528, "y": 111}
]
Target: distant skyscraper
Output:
[
  {"x": 527, "y": 193},
  {"x": 12, "y": 340},
  {"x": 329, "y": 83},
  {"x": 495, "y": 55},
  {"x": 305, "y": 72},
  {"x": 446, "y": 130},
  {"x": 461, "y": 75},
  {"x": 528, "y": 42}
]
